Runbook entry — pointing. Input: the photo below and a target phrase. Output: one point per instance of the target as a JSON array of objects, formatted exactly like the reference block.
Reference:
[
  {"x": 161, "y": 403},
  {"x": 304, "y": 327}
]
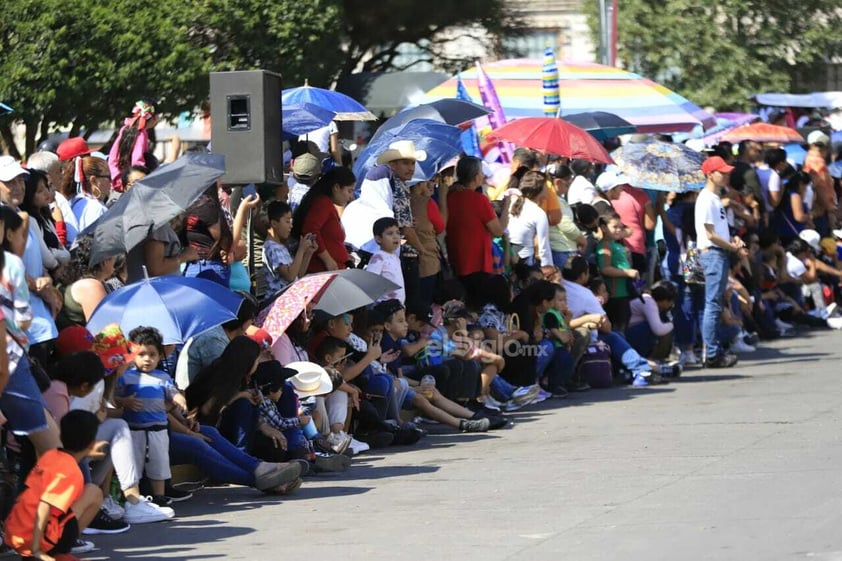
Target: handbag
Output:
[
  {"x": 691, "y": 265},
  {"x": 595, "y": 368}
]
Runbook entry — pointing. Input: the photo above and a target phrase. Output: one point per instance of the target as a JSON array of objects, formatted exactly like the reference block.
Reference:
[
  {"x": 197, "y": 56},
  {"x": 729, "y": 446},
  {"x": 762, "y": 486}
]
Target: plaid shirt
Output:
[{"x": 270, "y": 415}]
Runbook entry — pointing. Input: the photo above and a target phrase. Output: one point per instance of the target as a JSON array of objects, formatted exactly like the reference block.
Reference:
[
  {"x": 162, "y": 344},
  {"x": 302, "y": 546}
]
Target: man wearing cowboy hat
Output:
[{"x": 401, "y": 157}]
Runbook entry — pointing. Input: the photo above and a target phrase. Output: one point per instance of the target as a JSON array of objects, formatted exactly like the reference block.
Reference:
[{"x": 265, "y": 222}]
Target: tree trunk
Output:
[
  {"x": 8, "y": 140},
  {"x": 31, "y": 131}
]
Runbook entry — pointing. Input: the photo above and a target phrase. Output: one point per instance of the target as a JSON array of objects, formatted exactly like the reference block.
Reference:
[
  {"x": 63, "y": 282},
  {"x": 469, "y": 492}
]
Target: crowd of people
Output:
[{"x": 563, "y": 278}]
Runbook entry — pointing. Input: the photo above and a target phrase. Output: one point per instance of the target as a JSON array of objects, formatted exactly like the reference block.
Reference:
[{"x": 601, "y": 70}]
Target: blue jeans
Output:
[
  {"x": 561, "y": 257},
  {"x": 641, "y": 338},
  {"x": 556, "y": 363},
  {"x": 689, "y": 308},
  {"x": 501, "y": 389},
  {"x": 288, "y": 408},
  {"x": 238, "y": 423},
  {"x": 219, "y": 459},
  {"x": 623, "y": 353},
  {"x": 715, "y": 264}
]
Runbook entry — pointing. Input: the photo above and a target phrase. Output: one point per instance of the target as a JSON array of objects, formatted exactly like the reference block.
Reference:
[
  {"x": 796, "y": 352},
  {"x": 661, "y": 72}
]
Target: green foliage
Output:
[
  {"x": 84, "y": 63},
  {"x": 721, "y": 53}
]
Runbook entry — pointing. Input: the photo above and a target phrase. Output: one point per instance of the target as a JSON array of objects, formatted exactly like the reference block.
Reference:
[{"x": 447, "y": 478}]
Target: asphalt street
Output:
[{"x": 739, "y": 464}]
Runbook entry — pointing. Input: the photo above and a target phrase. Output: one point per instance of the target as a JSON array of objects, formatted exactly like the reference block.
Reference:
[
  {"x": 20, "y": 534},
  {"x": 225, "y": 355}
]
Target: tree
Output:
[{"x": 721, "y": 53}]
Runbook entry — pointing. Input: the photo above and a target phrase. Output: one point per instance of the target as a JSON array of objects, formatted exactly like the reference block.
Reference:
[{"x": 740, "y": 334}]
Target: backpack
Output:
[{"x": 595, "y": 368}]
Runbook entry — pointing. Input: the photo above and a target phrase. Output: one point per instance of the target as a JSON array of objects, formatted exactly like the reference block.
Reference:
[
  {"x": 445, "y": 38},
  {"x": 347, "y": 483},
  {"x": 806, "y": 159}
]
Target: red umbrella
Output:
[
  {"x": 763, "y": 132},
  {"x": 553, "y": 136}
]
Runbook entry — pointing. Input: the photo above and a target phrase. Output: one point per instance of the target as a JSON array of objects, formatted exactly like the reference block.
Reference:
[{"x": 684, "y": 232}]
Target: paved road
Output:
[{"x": 744, "y": 464}]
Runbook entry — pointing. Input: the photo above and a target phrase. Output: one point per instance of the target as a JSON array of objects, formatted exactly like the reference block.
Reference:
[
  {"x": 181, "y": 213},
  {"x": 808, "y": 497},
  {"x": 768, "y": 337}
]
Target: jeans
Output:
[
  {"x": 288, "y": 408},
  {"x": 561, "y": 257},
  {"x": 623, "y": 353},
  {"x": 646, "y": 343},
  {"x": 715, "y": 265},
  {"x": 501, "y": 389},
  {"x": 688, "y": 314},
  {"x": 556, "y": 363},
  {"x": 218, "y": 459},
  {"x": 238, "y": 422}
]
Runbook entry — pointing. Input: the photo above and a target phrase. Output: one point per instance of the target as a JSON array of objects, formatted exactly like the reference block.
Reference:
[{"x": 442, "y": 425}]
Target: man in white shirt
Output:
[
  {"x": 581, "y": 190},
  {"x": 713, "y": 238}
]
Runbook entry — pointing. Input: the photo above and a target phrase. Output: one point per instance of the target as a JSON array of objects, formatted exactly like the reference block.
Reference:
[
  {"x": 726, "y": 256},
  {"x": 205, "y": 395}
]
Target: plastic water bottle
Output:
[{"x": 428, "y": 383}]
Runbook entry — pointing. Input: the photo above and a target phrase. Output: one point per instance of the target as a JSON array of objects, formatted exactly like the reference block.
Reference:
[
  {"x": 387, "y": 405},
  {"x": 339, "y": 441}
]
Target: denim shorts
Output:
[{"x": 22, "y": 402}]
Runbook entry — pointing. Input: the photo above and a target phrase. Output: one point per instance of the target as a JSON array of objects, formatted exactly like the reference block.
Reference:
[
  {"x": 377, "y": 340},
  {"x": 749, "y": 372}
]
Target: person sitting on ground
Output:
[
  {"x": 56, "y": 503},
  {"x": 801, "y": 269},
  {"x": 386, "y": 261},
  {"x": 279, "y": 266},
  {"x": 434, "y": 406},
  {"x": 647, "y": 332},
  {"x": 556, "y": 321},
  {"x": 588, "y": 313}
]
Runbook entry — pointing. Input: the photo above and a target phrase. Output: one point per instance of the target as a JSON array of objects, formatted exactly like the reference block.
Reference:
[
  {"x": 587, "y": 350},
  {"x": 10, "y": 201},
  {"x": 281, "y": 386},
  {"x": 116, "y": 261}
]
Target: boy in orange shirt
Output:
[{"x": 56, "y": 504}]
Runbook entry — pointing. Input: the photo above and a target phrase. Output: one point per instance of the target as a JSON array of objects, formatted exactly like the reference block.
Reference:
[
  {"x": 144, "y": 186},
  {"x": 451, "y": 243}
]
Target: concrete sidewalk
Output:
[{"x": 739, "y": 464}]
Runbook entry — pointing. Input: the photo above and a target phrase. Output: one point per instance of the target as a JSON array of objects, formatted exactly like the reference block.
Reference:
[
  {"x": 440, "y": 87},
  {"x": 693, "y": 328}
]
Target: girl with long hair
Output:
[
  {"x": 36, "y": 201},
  {"x": 132, "y": 142}
]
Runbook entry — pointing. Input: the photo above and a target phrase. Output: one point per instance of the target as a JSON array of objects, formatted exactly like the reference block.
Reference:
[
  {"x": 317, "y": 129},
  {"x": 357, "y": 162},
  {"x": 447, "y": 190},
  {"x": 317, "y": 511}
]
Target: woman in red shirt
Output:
[
  {"x": 317, "y": 216},
  {"x": 471, "y": 221}
]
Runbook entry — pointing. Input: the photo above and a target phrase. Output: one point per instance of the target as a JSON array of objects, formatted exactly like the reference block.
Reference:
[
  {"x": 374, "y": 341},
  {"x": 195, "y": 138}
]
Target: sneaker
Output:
[
  {"x": 474, "y": 425},
  {"x": 326, "y": 462},
  {"x": 739, "y": 346},
  {"x": 82, "y": 546},
  {"x": 654, "y": 378},
  {"x": 525, "y": 395},
  {"x": 269, "y": 476},
  {"x": 831, "y": 309},
  {"x": 834, "y": 323},
  {"x": 104, "y": 524},
  {"x": 357, "y": 447},
  {"x": 687, "y": 358},
  {"x": 640, "y": 381},
  {"x": 145, "y": 511},
  {"x": 338, "y": 441},
  {"x": 725, "y": 360},
  {"x": 750, "y": 338},
  {"x": 177, "y": 495},
  {"x": 112, "y": 508},
  {"x": 783, "y": 326},
  {"x": 491, "y": 403},
  {"x": 286, "y": 488},
  {"x": 543, "y": 395},
  {"x": 672, "y": 369},
  {"x": 497, "y": 422}
]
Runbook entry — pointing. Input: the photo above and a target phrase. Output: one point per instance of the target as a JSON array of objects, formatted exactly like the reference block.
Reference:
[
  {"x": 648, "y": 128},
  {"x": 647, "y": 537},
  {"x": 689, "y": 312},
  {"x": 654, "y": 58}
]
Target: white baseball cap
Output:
[
  {"x": 818, "y": 137},
  {"x": 10, "y": 169},
  {"x": 812, "y": 238}
]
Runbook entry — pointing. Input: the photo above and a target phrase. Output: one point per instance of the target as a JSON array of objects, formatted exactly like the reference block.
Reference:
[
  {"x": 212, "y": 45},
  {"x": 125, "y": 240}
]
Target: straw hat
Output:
[
  {"x": 311, "y": 379},
  {"x": 401, "y": 150}
]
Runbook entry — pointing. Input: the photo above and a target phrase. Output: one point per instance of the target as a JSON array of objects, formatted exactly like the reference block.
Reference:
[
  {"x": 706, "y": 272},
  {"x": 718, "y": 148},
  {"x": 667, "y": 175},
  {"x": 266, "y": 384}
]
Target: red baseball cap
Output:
[
  {"x": 261, "y": 337},
  {"x": 716, "y": 163},
  {"x": 71, "y": 148},
  {"x": 74, "y": 339}
]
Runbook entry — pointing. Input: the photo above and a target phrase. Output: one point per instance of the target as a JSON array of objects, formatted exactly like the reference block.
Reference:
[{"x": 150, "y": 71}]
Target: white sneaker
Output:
[
  {"x": 491, "y": 403},
  {"x": 831, "y": 308},
  {"x": 783, "y": 326},
  {"x": 358, "y": 447},
  {"x": 112, "y": 508},
  {"x": 145, "y": 511},
  {"x": 834, "y": 323},
  {"x": 338, "y": 441},
  {"x": 687, "y": 358},
  {"x": 740, "y": 346},
  {"x": 81, "y": 546}
]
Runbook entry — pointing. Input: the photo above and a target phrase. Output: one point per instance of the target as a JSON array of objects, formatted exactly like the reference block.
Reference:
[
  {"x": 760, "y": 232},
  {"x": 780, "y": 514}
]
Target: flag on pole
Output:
[
  {"x": 470, "y": 143},
  {"x": 549, "y": 75},
  {"x": 497, "y": 117}
]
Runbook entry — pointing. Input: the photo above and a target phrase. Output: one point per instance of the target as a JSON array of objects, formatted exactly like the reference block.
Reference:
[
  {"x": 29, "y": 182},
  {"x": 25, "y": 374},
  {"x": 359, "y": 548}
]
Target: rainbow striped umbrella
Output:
[{"x": 649, "y": 106}]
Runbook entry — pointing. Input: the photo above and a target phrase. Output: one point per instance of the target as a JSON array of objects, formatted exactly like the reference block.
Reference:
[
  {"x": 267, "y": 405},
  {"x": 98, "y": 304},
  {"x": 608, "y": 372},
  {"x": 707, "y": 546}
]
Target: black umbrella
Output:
[
  {"x": 152, "y": 202},
  {"x": 601, "y": 125},
  {"x": 448, "y": 111}
]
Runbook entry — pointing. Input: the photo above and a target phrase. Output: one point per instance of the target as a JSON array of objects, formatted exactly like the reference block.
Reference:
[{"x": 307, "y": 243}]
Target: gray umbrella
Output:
[
  {"x": 352, "y": 289},
  {"x": 152, "y": 202}
]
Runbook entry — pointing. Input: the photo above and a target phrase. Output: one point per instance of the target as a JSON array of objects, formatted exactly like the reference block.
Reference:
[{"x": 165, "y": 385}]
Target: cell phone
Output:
[{"x": 249, "y": 189}]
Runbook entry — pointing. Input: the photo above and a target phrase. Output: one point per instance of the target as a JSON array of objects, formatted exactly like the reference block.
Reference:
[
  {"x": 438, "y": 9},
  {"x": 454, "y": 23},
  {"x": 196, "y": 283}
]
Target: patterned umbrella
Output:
[
  {"x": 763, "y": 132},
  {"x": 660, "y": 166},
  {"x": 647, "y": 105},
  {"x": 552, "y": 99},
  {"x": 553, "y": 136}
]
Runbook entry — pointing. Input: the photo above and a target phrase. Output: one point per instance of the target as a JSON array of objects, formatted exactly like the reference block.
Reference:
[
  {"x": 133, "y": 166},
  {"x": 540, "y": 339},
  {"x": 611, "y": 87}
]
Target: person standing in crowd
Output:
[
  {"x": 317, "y": 215},
  {"x": 306, "y": 170},
  {"x": 815, "y": 165},
  {"x": 206, "y": 230},
  {"x": 528, "y": 223},
  {"x": 638, "y": 215},
  {"x": 471, "y": 221},
  {"x": 565, "y": 237},
  {"x": 132, "y": 143},
  {"x": 581, "y": 190},
  {"x": 715, "y": 244},
  {"x": 429, "y": 224}
]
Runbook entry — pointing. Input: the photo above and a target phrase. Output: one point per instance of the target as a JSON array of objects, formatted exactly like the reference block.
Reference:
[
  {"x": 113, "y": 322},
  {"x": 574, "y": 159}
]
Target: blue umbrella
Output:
[
  {"x": 178, "y": 307},
  {"x": 441, "y": 142},
  {"x": 346, "y": 108},
  {"x": 660, "y": 166},
  {"x": 301, "y": 118},
  {"x": 447, "y": 111},
  {"x": 795, "y": 154}
]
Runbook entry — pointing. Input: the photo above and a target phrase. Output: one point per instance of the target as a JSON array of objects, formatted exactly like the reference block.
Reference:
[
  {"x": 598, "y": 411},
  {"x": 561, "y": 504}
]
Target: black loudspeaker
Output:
[{"x": 246, "y": 125}]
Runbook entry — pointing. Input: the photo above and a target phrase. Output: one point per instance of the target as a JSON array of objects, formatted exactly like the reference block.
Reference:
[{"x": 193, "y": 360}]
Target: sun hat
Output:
[
  {"x": 306, "y": 167},
  {"x": 311, "y": 379},
  {"x": 608, "y": 180},
  {"x": 270, "y": 376},
  {"x": 818, "y": 137},
  {"x": 74, "y": 339},
  {"x": 812, "y": 238},
  {"x": 716, "y": 163},
  {"x": 71, "y": 148},
  {"x": 10, "y": 168},
  {"x": 401, "y": 150},
  {"x": 112, "y": 347}
]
